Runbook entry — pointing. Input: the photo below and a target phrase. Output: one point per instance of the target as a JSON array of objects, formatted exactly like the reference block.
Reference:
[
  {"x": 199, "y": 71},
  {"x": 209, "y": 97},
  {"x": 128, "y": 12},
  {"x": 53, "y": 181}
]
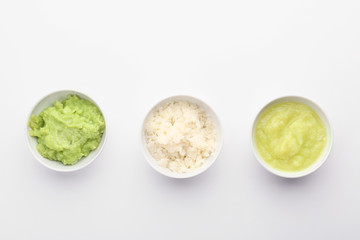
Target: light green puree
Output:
[
  {"x": 68, "y": 130},
  {"x": 290, "y": 136}
]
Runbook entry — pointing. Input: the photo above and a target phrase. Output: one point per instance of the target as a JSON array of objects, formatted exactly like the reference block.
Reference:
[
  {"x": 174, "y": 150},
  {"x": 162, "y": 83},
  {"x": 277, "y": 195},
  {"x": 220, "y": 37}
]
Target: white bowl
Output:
[
  {"x": 48, "y": 101},
  {"x": 209, "y": 161},
  {"x": 322, "y": 157}
]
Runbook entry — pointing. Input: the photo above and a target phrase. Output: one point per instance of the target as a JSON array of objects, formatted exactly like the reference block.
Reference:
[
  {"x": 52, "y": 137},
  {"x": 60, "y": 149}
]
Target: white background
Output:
[{"x": 127, "y": 55}]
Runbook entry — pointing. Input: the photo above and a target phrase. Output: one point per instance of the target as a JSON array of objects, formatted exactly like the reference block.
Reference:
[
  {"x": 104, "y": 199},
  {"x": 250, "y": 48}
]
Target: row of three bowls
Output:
[{"x": 57, "y": 166}]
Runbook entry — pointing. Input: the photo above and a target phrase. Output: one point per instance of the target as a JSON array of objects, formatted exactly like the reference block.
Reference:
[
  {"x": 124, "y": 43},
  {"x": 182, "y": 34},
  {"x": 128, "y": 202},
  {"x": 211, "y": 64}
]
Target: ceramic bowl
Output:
[
  {"x": 209, "y": 161},
  {"x": 48, "y": 101},
  {"x": 322, "y": 157}
]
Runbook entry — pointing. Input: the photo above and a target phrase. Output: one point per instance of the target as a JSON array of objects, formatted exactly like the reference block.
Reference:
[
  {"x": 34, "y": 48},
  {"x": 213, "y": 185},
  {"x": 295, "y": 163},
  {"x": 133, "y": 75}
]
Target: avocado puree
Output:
[
  {"x": 68, "y": 130},
  {"x": 290, "y": 136}
]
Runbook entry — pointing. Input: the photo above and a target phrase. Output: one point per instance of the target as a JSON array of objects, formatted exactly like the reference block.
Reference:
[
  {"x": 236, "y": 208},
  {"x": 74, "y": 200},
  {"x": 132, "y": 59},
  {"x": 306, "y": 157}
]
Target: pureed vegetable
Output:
[
  {"x": 68, "y": 130},
  {"x": 290, "y": 136}
]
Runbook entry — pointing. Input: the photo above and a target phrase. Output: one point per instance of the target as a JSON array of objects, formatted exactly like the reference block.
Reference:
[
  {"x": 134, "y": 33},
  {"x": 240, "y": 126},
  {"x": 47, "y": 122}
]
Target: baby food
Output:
[
  {"x": 180, "y": 136},
  {"x": 290, "y": 136},
  {"x": 68, "y": 130}
]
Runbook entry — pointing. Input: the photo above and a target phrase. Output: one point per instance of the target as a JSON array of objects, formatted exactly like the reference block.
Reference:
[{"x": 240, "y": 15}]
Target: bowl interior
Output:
[
  {"x": 48, "y": 101},
  {"x": 322, "y": 157},
  {"x": 208, "y": 162}
]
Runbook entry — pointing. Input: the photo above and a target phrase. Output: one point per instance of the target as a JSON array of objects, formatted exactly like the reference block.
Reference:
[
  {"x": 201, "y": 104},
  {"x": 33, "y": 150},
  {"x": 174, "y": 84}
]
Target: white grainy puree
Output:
[{"x": 180, "y": 136}]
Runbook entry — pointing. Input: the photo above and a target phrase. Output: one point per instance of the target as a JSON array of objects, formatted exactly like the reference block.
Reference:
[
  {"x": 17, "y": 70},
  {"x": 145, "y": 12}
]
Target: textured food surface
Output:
[
  {"x": 68, "y": 130},
  {"x": 290, "y": 136},
  {"x": 180, "y": 136}
]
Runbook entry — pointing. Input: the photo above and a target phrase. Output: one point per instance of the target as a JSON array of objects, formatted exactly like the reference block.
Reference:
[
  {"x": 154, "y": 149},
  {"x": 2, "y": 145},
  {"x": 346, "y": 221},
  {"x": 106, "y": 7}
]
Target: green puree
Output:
[{"x": 68, "y": 130}]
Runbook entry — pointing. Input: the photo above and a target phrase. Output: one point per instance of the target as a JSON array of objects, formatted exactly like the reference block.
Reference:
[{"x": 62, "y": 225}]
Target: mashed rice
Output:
[{"x": 180, "y": 136}]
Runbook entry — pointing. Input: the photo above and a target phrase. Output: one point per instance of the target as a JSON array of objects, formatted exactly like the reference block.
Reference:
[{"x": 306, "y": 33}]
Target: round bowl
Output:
[
  {"x": 48, "y": 101},
  {"x": 208, "y": 162},
  {"x": 322, "y": 157}
]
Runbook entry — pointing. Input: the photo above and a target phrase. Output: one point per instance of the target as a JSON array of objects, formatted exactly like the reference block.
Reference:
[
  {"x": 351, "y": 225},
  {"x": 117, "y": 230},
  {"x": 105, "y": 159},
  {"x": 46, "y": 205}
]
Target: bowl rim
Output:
[
  {"x": 219, "y": 141},
  {"x": 64, "y": 168},
  {"x": 324, "y": 155}
]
